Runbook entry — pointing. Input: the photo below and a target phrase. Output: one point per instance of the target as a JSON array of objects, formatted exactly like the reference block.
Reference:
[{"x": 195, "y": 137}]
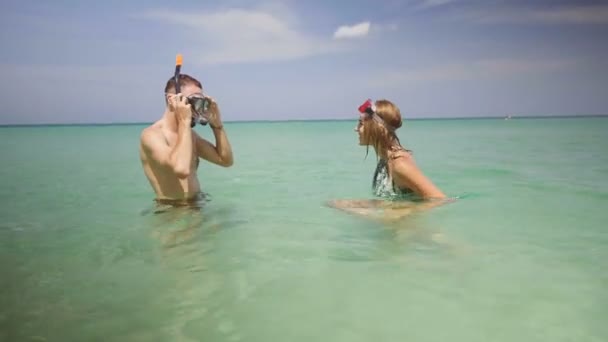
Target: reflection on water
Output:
[
  {"x": 176, "y": 223},
  {"x": 218, "y": 280},
  {"x": 384, "y": 229},
  {"x": 219, "y": 273},
  {"x": 174, "y": 226}
]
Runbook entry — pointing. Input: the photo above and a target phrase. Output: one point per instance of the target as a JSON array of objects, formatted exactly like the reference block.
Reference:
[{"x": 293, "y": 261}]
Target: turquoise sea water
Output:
[{"x": 520, "y": 256}]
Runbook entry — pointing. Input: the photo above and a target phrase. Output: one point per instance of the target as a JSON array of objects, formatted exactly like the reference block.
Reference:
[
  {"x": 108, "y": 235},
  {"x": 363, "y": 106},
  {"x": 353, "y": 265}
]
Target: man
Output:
[{"x": 170, "y": 149}]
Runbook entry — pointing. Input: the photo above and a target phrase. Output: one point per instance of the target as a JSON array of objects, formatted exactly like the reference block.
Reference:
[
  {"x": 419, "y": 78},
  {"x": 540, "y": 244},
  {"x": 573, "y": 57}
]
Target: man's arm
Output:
[
  {"x": 177, "y": 157},
  {"x": 221, "y": 154}
]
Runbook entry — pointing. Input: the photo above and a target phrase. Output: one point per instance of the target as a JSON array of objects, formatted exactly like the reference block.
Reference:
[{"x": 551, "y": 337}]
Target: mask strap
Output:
[{"x": 379, "y": 120}]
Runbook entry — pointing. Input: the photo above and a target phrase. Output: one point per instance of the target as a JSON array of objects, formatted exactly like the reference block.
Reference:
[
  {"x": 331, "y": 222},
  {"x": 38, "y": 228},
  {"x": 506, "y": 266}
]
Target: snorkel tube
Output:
[
  {"x": 178, "y": 68},
  {"x": 199, "y": 105}
]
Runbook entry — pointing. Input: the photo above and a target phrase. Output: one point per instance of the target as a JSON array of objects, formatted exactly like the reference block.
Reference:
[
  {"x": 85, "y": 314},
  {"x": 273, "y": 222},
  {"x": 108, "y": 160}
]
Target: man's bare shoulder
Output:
[
  {"x": 151, "y": 131},
  {"x": 151, "y": 134}
]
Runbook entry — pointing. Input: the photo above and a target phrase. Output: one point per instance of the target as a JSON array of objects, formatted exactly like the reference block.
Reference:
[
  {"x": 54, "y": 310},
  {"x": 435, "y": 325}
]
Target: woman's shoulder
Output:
[
  {"x": 400, "y": 155},
  {"x": 402, "y": 164}
]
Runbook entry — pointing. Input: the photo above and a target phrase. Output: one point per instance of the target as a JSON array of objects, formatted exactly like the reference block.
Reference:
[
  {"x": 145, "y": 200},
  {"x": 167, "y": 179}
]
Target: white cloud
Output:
[
  {"x": 354, "y": 31},
  {"x": 241, "y": 36},
  {"x": 483, "y": 69},
  {"x": 434, "y": 3},
  {"x": 593, "y": 14}
]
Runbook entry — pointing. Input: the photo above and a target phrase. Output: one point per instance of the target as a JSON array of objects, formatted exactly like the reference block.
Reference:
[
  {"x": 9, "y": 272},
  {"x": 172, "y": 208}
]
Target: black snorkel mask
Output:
[
  {"x": 199, "y": 104},
  {"x": 200, "y": 110}
]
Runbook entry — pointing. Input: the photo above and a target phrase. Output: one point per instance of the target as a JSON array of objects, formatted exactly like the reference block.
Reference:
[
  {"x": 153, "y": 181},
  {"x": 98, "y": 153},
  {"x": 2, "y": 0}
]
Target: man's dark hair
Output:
[{"x": 183, "y": 81}]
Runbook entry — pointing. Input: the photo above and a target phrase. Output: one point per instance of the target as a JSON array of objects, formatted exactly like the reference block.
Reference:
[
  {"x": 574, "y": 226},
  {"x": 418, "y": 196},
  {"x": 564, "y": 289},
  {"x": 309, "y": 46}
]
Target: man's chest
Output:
[{"x": 171, "y": 139}]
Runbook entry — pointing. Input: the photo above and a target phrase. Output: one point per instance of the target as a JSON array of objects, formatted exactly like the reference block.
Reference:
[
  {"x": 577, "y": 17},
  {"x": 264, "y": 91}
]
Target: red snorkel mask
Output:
[{"x": 368, "y": 107}]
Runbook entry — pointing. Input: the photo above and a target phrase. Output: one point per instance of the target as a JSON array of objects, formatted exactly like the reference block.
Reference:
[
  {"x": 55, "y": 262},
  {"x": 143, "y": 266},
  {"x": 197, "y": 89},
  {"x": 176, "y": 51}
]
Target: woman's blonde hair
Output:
[{"x": 380, "y": 136}]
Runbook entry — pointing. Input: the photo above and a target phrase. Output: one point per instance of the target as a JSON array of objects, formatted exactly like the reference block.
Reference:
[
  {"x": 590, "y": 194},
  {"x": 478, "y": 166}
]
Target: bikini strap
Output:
[{"x": 398, "y": 152}]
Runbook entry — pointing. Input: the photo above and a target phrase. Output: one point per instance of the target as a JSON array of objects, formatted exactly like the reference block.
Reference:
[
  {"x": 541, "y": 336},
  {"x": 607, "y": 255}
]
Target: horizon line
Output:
[{"x": 137, "y": 123}]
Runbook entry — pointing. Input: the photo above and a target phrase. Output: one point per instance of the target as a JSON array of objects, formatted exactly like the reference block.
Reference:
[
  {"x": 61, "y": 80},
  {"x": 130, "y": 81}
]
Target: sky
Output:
[{"x": 108, "y": 61}]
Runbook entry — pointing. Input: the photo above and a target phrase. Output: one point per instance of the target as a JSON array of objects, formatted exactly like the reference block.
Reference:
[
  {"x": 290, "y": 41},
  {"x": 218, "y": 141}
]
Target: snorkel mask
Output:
[
  {"x": 199, "y": 105},
  {"x": 368, "y": 107},
  {"x": 200, "y": 110}
]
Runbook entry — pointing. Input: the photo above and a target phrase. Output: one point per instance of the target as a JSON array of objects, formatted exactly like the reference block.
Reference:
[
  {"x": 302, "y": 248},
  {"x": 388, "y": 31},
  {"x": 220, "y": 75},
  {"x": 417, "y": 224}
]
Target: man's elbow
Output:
[
  {"x": 227, "y": 162},
  {"x": 182, "y": 173}
]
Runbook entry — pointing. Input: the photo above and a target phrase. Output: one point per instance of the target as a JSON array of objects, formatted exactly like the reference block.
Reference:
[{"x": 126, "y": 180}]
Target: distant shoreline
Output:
[{"x": 318, "y": 120}]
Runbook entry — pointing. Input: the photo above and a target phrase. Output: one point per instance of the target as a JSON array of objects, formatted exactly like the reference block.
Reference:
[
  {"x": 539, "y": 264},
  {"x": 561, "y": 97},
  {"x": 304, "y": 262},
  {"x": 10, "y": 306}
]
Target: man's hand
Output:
[
  {"x": 215, "y": 119},
  {"x": 182, "y": 109}
]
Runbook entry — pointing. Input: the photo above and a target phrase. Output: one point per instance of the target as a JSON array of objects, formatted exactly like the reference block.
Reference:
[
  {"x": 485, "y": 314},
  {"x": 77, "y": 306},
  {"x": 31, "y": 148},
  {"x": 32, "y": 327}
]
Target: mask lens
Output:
[
  {"x": 199, "y": 105},
  {"x": 196, "y": 105}
]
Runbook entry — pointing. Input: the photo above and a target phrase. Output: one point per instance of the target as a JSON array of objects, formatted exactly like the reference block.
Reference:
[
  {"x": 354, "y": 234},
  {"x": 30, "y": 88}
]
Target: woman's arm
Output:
[
  {"x": 375, "y": 209},
  {"x": 406, "y": 174}
]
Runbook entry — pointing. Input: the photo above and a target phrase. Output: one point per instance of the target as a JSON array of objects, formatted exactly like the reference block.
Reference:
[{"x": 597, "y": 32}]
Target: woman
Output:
[
  {"x": 396, "y": 173},
  {"x": 397, "y": 176}
]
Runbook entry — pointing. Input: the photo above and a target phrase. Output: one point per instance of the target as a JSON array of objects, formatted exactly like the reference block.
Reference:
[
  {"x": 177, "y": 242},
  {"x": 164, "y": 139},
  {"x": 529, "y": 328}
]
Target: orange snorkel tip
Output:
[{"x": 178, "y": 66}]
